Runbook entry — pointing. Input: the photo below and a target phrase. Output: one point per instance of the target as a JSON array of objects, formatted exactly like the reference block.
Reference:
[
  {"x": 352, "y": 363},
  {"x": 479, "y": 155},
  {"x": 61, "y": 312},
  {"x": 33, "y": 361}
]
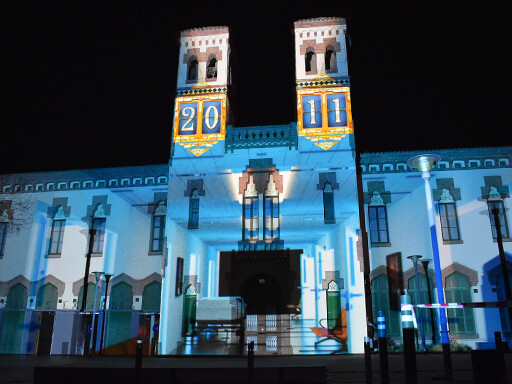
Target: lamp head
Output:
[
  {"x": 423, "y": 163},
  {"x": 108, "y": 276},
  {"x": 414, "y": 258},
  {"x": 98, "y": 274}
]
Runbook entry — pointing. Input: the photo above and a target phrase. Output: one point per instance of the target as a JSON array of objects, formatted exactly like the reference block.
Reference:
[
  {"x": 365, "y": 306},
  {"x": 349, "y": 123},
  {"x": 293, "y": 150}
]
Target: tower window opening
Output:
[
  {"x": 310, "y": 61},
  {"x": 192, "y": 71},
  {"x": 211, "y": 68},
  {"x": 330, "y": 60}
]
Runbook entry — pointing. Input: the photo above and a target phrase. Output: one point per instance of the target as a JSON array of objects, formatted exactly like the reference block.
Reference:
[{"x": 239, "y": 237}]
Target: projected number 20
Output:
[{"x": 210, "y": 119}]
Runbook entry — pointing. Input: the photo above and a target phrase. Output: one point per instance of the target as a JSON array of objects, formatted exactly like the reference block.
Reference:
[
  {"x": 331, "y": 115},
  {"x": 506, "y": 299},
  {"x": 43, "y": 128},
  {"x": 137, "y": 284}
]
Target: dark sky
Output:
[{"x": 91, "y": 84}]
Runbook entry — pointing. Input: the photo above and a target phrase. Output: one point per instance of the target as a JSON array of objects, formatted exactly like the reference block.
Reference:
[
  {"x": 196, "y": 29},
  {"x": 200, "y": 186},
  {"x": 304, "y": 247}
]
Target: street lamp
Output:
[
  {"x": 107, "y": 279},
  {"x": 425, "y": 262},
  {"x": 424, "y": 164},
  {"x": 92, "y": 234},
  {"x": 503, "y": 261},
  {"x": 92, "y": 345},
  {"x": 414, "y": 259}
]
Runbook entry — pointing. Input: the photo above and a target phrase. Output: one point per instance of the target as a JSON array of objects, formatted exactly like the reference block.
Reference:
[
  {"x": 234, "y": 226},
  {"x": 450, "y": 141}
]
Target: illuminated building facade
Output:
[{"x": 268, "y": 214}]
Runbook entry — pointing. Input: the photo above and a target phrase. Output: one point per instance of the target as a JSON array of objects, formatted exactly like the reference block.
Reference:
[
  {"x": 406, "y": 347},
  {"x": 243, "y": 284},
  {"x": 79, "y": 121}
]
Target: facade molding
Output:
[{"x": 471, "y": 274}]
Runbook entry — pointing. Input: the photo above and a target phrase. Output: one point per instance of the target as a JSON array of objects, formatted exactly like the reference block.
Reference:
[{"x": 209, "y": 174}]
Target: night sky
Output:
[{"x": 91, "y": 84}]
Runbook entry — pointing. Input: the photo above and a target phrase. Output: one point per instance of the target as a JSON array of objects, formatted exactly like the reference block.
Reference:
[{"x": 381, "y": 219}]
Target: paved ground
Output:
[{"x": 340, "y": 368}]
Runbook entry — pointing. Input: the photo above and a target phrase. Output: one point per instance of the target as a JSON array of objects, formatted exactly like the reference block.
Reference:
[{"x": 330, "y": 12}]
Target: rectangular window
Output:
[
  {"x": 250, "y": 219},
  {"x": 98, "y": 224},
  {"x": 193, "y": 212},
  {"x": 157, "y": 234},
  {"x": 449, "y": 221},
  {"x": 378, "y": 224},
  {"x": 502, "y": 218},
  {"x": 271, "y": 208},
  {"x": 329, "y": 217},
  {"x": 3, "y": 237},
  {"x": 57, "y": 237}
]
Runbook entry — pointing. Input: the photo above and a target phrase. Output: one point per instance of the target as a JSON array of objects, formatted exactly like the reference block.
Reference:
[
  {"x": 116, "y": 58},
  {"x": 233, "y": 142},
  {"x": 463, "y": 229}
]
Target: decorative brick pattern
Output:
[
  {"x": 494, "y": 181},
  {"x": 327, "y": 177},
  {"x": 57, "y": 203},
  {"x": 202, "y": 56},
  {"x": 471, "y": 274},
  {"x": 194, "y": 184},
  {"x": 445, "y": 184},
  {"x": 376, "y": 186}
]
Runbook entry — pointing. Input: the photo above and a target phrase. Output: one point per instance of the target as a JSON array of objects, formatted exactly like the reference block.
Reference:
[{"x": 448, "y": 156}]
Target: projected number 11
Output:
[{"x": 324, "y": 111}]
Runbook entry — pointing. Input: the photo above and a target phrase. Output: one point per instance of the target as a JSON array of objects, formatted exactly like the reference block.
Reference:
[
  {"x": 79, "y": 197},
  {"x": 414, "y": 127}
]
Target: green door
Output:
[
  {"x": 13, "y": 321},
  {"x": 119, "y": 323}
]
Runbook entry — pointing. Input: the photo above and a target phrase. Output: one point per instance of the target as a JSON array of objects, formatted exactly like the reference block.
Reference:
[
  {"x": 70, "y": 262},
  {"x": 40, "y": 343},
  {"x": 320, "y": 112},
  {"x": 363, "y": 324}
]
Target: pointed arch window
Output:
[
  {"x": 193, "y": 210},
  {"x": 57, "y": 232},
  {"x": 158, "y": 228},
  {"x": 330, "y": 59},
  {"x": 328, "y": 195},
  {"x": 271, "y": 208},
  {"x": 411, "y": 291},
  {"x": 192, "y": 70},
  {"x": 310, "y": 61},
  {"x": 458, "y": 290},
  {"x": 250, "y": 228},
  {"x": 4, "y": 223},
  {"x": 211, "y": 68},
  {"x": 378, "y": 220},
  {"x": 448, "y": 216},
  {"x": 495, "y": 204},
  {"x": 381, "y": 302}
]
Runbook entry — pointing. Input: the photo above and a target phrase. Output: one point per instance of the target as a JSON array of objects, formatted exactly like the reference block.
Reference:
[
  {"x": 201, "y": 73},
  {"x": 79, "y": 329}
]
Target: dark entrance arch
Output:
[{"x": 262, "y": 295}]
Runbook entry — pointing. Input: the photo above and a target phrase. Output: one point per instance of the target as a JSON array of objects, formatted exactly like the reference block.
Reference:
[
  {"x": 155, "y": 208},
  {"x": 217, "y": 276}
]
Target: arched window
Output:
[
  {"x": 14, "y": 325},
  {"x": 411, "y": 291},
  {"x": 271, "y": 208},
  {"x": 250, "y": 229},
  {"x": 328, "y": 194},
  {"x": 151, "y": 297},
  {"x": 192, "y": 70},
  {"x": 90, "y": 296},
  {"x": 310, "y": 61},
  {"x": 330, "y": 59},
  {"x": 119, "y": 322},
  {"x": 193, "y": 210},
  {"x": 17, "y": 297},
  {"x": 458, "y": 290},
  {"x": 121, "y": 296},
  {"x": 211, "y": 67},
  {"x": 47, "y": 297},
  {"x": 380, "y": 302}
]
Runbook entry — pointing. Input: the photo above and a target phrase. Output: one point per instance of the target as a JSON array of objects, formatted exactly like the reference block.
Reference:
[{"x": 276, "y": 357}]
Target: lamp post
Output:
[
  {"x": 499, "y": 239},
  {"x": 107, "y": 279},
  {"x": 92, "y": 344},
  {"x": 92, "y": 234},
  {"x": 414, "y": 259},
  {"x": 425, "y": 262},
  {"x": 424, "y": 164}
]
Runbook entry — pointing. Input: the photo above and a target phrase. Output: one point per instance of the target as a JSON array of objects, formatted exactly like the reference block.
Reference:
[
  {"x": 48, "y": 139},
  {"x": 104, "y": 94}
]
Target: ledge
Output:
[{"x": 380, "y": 245}]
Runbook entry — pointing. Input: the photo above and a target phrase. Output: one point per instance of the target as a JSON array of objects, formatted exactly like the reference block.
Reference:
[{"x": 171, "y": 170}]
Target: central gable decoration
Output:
[{"x": 324, "y": 113}]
